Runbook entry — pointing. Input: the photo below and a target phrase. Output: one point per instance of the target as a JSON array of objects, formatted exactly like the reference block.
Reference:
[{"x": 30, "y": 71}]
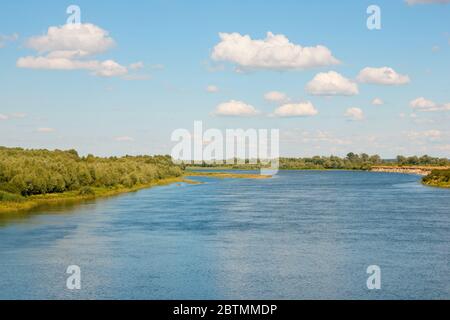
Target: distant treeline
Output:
[
  {"x": 422, "y": 161},
  {"x": 351, "y": 162},
  {"x": 32, "y": 172}
]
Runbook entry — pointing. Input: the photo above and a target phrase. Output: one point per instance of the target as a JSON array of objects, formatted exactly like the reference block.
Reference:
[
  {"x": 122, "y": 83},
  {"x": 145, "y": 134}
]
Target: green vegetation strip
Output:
[
  {"x": 13, "y": 203},
  {"x": 438, "y": 178},
  {"x": 31, "y": 178}
]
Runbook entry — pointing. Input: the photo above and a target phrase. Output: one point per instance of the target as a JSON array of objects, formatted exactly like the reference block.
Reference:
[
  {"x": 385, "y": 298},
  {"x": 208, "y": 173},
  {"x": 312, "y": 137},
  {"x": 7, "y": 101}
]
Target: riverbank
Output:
[
  {"x": 33, "y": 202},
  {"x": 419, "y": 170},
  {"x": 438, "y": 178}
]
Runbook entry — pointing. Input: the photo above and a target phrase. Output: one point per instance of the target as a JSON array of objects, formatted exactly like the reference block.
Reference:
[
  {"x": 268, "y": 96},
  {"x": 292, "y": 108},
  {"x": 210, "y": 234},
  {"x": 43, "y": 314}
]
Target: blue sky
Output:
[{"x": 167, "y": 51}]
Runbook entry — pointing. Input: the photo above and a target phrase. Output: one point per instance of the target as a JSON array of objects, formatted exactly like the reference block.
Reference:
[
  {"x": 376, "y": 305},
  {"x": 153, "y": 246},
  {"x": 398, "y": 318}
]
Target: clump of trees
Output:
[
  {"x": 32, "y": 172},
  {"x": 422, "y": 161},
  {"x": 351, "y": 162},
  {"x": 440, "y": 178}
]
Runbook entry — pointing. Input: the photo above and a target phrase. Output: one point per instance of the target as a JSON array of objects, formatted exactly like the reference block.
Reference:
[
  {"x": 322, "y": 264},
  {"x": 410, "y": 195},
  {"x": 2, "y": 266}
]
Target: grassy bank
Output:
[
  {"x": 12, "y": 203},
  {"x": 438, "y": 178}
]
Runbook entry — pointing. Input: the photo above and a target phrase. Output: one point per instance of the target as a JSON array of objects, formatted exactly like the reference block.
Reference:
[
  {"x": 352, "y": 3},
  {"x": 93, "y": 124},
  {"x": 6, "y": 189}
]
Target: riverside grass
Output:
[
  {"x": 36, "y": 201},
  {"x": 10, "y": 203}
]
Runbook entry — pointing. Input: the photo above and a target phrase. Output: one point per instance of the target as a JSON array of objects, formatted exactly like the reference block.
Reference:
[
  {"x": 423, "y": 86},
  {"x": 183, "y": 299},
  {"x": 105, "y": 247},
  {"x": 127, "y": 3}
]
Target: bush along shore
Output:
[
  {"x": 438, "y": 178},
  {"x": 31, "y": 178}
]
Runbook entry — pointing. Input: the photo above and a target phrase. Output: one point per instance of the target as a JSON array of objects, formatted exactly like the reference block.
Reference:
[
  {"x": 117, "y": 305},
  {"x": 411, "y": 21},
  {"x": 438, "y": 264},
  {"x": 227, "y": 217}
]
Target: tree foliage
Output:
[
  {"x": 32, "y": 172},
  {"x": 422, "y": 161},
  {"x": 440, "y": 178}
]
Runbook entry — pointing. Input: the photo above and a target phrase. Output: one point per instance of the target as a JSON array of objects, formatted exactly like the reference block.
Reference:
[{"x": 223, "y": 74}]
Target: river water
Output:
[{"x": 299, "y": 235}]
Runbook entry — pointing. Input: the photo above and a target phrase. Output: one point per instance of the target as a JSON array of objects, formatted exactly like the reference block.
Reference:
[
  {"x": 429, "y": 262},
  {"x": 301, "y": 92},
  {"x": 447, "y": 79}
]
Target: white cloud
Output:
[
  {"x": 383, "y": 75},
  {"x": 354, "y": 114},
  {"x": 275, "y": 52},
  {"x": 72, "y": 41},
  {"x": 212, "y": 89},
  {"x": 124, "y": 139},
  {"x": 3, "y": 117},
  {"x": 331, "y": 84},
  {"x": 108, "y": 68},
  {"x": 377, "y": 102},
  {"x": 275, "y": 96},
  {"x": 45, "y": 130},
  {"x": 413, "y": 2},
  {"x": 68, "y": 47},
  {"x": 425, "y": 105},
  {"x": 235, "y": 108},
  {"x": 304, "y": 109}
]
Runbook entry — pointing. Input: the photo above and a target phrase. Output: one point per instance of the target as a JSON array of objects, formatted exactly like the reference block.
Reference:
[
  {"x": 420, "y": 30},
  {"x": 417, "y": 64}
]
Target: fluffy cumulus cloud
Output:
[
  {"x": 413, "y": 2},
  {"x": 425, "y": 105},
  {"x": 69, "y": 47},
  {"x": 71, "y": 41},
  {"x": 354, "y": 114},
  {"x": 275, "y": 52},
  {"x": 383, "y": 75},
  {"x": 3, "y": 117},
  {"x": 331, "y": 84},
  {"x": 235, "y": 108},
  {"x": 108, "y": 68},
  {"x": 304, "y": 109},
  {"x": 275, "y": 96}
]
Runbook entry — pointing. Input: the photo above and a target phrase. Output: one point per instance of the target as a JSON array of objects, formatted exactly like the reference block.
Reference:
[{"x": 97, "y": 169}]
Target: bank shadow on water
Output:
[{"x": 66, "y": 207}]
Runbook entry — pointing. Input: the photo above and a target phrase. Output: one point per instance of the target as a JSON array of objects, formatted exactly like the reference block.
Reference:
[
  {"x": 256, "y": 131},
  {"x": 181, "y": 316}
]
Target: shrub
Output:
[{"x": 87, "y": 191}]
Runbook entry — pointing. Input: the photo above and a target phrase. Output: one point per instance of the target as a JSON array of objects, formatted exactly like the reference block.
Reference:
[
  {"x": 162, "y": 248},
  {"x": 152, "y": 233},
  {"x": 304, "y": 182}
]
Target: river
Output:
[{"x": 299, "y": 235}]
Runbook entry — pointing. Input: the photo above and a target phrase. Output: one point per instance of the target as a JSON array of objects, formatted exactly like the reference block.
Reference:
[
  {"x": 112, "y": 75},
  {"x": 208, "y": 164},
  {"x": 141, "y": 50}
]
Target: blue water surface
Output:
[{"x": 299, "y": 235}]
